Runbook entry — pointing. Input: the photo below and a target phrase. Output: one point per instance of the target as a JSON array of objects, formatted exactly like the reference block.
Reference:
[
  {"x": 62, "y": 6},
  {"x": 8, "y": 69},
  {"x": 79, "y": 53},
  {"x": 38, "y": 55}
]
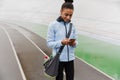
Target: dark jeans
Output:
[{"x": 69, "y": 70}]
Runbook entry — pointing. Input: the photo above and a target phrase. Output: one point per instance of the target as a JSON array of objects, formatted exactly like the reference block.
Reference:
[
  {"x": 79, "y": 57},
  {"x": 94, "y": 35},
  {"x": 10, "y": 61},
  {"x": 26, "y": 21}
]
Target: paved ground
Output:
[
  {"x": 9, "y": 68},
  {"x": 30, "y": 57},
  {"x": 27, "y": 45}
]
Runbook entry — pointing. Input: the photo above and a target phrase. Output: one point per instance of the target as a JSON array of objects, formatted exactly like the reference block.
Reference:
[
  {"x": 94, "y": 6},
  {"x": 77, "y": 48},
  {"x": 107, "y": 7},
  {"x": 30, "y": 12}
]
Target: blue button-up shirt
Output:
[{"x": 56, "y": 33}]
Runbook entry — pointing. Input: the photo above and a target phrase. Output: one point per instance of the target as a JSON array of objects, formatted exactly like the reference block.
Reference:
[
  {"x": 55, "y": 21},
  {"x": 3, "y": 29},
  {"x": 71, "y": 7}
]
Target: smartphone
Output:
[{"x": 72, "y": 40}]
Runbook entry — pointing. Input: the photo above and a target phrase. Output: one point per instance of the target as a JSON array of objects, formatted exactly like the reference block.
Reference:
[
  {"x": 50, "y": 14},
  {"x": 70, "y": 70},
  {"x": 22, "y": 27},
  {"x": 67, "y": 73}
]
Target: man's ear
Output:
[{"x": 61, "y": 11}]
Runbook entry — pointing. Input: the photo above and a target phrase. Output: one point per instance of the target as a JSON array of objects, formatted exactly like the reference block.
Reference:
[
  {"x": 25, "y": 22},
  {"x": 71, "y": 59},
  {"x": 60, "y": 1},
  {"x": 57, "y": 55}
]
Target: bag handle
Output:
[{"x": 68, "y": 35}]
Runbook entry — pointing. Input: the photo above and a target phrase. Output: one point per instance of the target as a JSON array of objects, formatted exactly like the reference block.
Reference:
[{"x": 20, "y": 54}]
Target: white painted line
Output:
[
  {"x": 22, "y": 27},
  {"x": 95, "y": 68},
  {"x": 76, "y": 56},
  {"x": 19, "y": 65},
  {"x": 33, "y": 43},
  {"x": 27, "y": 37},
  {"x": 36, "y": 46}
]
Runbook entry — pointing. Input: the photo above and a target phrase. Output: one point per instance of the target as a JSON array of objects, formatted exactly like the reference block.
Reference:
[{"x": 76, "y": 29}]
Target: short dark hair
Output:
[
  {"x": 68, "y": 5},
  {"x": 69, "y": 1}
]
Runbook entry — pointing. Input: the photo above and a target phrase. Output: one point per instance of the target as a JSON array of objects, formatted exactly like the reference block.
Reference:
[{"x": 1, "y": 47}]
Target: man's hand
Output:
[
  {"x": 69, "y": 42},
  {"x": 72, "y": 42},
  {"x": 65, "y": 41}
]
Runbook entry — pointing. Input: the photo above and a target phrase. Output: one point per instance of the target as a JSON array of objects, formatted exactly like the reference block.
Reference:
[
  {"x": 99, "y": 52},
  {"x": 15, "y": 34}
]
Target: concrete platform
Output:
[
  {"x": 28, "y": 46},
  {"x": 10, "y": 67}
]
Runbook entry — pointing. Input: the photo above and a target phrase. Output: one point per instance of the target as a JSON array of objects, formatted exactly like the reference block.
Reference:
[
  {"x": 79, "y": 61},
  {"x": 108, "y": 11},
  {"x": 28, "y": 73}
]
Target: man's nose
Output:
[{"x": 68, "y": 17}]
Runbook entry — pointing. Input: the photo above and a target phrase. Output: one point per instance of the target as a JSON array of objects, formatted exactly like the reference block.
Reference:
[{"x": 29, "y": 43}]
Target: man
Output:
[{"x": 57, "y": 36}]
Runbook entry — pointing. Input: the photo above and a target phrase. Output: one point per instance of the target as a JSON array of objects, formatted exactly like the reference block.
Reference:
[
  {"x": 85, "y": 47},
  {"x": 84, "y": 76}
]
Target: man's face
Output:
[{"x": 66, "y": 14}]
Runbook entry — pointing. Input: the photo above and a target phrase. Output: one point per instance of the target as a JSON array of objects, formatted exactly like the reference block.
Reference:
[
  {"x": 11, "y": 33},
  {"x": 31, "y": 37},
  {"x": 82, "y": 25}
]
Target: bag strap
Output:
[
  {"x": 70, "y": 29},
  {"x": 68, "y": 35}
]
